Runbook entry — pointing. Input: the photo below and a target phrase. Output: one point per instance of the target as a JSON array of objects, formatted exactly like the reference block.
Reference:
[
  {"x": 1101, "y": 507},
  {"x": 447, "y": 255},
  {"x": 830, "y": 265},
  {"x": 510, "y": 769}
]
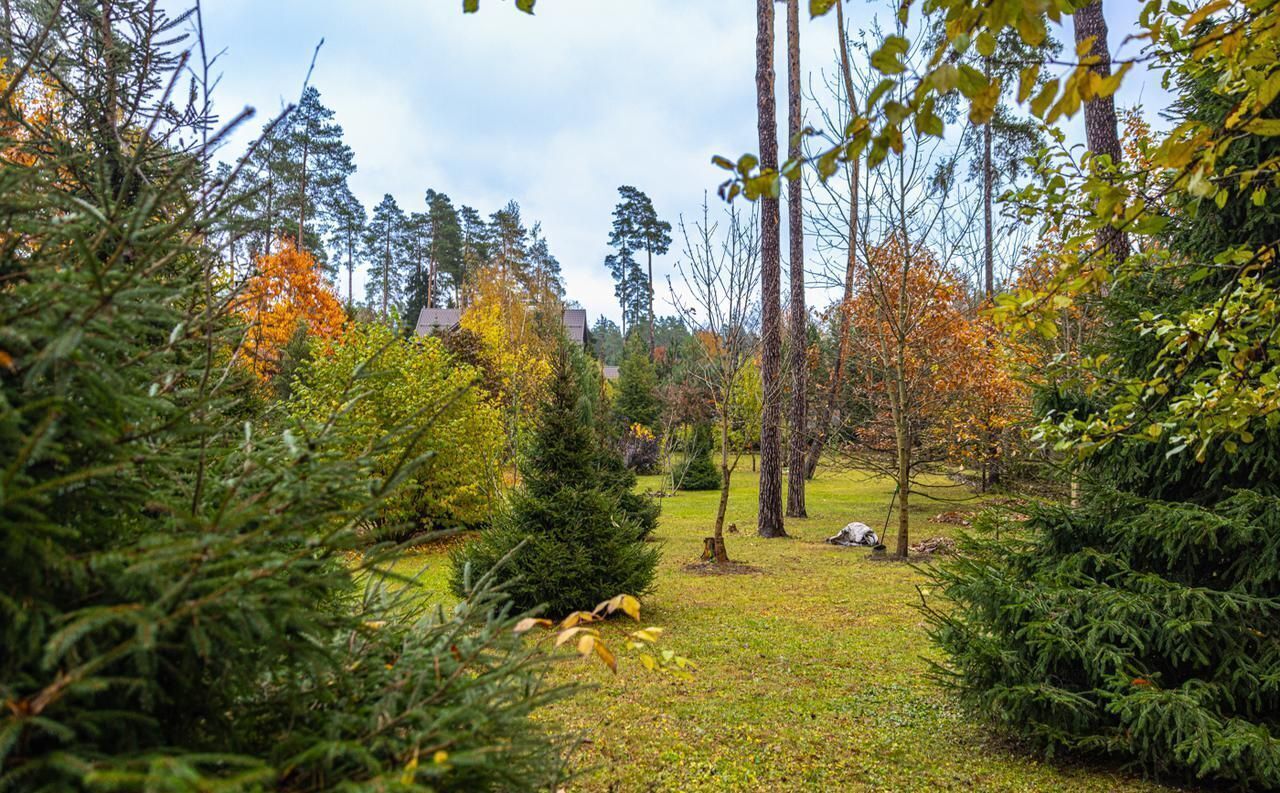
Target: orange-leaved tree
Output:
[
  {"x": 285, "y": 295},
  {"x": 932, "y": 382}
]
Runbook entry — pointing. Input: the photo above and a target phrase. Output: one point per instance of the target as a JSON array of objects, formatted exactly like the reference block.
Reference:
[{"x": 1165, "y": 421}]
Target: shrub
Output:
[
  {"x": 698, "y": 472},
  {"x": 413, "y": 391},
  {"x": 640, "y": 449},
  {"x": 573, "y": 540}
]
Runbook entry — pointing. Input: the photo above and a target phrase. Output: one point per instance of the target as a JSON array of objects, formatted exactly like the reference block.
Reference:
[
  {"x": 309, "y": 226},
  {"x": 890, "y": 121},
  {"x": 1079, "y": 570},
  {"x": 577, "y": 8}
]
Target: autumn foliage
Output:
[
  {"x": 286, "y": 293},
  {"x": 912, "y": 327}
]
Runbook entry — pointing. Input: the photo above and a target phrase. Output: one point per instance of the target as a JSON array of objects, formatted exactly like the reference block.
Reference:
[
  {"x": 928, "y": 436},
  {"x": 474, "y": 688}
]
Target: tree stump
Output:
[{"x": 713, "y": 550}]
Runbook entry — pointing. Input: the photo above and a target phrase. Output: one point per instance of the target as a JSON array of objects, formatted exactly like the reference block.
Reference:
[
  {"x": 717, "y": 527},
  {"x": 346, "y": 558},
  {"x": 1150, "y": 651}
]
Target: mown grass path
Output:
[{"x": 812, "y": 674}]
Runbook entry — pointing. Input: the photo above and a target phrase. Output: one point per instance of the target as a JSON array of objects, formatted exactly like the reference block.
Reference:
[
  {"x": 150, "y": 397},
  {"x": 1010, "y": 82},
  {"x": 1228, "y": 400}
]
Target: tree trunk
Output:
[
  {"x": 822, "y": 427},
  {"x": 719, "y": 552},
  {"x": 1100, "y": 129},
  {"x": 988, "y": 245},
  {"x": 302, "y": 193},
  {"x": 769, "y": 519},
  {"x": 904, "y": 482},
  {"x": 386, "y": 274},
  {"x": 431, "y": 282},
  {"x": 650, "y": 303},
  {"x": 351, "y": 269},
  {"x": 798, "y": 437},
  {"x": 271, "y": 189}
]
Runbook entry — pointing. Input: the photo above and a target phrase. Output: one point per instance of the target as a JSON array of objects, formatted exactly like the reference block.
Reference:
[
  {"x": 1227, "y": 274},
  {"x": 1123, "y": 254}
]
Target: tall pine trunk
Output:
[
  {"x": 769, "y": 520},
  {"x": 386, "y": 275},
  {"x": 650, "y": 253},
  {"x": 302, "y": 192},
  {"x": 1100, "y": 129},
  {"x": 988, "y": 190},
  {"x": 351, "y": 270},
  {"x": 830, "y": 408},
  {"x": 798, "y": 436}
]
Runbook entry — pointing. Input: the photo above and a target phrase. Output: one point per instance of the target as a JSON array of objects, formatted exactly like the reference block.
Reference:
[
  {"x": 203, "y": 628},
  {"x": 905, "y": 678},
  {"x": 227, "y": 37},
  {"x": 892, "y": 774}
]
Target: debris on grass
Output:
[
  {"x": 722, "y": 568},
  {"x": 934, "y": 545},
  {"x": 955, "y": 517}
]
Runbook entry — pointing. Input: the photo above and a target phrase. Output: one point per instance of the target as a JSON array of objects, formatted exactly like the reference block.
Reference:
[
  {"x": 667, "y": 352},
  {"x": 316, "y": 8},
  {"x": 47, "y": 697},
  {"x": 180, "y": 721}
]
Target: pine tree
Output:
[
  {"x": 446, "y": 249},
  {"x": 630, "y": 287},
  {"x": 606, "y": 341},
  {"x": 298, "y": 188},
  {"x": 544, "y": 269},
  {"x": 318, "y": 163},
  {"x": 346, "y": 236},
  {"x": 637, "y": 228},
  {"x": 509, "y": 244},
  {"x": 476, "y": 252},
  {"x": 571, "y": 541},
  {"x": 387, "y": 250}
]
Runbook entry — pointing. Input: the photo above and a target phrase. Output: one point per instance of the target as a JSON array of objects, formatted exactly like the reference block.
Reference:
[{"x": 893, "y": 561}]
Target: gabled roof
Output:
[{"x": 433, "y": 320}]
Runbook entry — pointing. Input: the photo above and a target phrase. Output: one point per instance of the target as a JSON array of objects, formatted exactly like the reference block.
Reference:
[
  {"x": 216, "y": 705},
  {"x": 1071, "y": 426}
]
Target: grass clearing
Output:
[{"x": 812, "y": 673}]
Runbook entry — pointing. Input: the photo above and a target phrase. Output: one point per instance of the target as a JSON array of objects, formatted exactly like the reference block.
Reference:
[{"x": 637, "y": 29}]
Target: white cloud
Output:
[{"x": 554, "y": 110}]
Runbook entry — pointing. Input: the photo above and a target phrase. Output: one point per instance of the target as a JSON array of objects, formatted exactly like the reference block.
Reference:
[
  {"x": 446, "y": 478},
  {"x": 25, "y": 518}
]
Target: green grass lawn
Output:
[{"x": 812, "y": 674}]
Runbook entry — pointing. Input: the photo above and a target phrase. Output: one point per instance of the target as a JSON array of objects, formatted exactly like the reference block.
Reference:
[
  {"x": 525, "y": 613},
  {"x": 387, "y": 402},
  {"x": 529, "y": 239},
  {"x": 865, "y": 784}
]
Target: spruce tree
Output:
[
  {"x": 637, "y": 399},
  {"x": 569, "y": 536},
  {"x": 699, "y": 471},
  {"x": 1144, "y": 624},
  {"x": 180, "y": 604}
]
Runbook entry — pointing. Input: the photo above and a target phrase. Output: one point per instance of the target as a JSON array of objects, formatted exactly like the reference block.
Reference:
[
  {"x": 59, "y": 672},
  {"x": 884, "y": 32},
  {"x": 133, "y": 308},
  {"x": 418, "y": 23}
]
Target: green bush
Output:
[
  {"x": 1141, "y": 629},
  {"x": 698, "y": 471},
  {"x": 413, "y": 391},
  {"x": 179, "y": 588},
  {"x": 575, "y": 538}
]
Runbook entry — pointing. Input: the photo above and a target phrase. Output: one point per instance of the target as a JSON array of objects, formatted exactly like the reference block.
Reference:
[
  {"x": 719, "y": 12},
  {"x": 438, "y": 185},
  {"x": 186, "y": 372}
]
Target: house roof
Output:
[
  {"x": 434, "y": 320},
  {"x": 431, "y": 320},
  {"x": 612, "y": 373},
  {"x": 575, "y": 324}
]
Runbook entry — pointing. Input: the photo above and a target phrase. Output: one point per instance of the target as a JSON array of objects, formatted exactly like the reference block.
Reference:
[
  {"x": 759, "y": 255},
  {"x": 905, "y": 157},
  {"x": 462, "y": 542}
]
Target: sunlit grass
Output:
[{"x": 812, "y": 674}]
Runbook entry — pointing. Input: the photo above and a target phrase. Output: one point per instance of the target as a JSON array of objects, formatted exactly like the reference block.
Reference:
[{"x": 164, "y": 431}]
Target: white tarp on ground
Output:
[{"x": 855, "y": 534}]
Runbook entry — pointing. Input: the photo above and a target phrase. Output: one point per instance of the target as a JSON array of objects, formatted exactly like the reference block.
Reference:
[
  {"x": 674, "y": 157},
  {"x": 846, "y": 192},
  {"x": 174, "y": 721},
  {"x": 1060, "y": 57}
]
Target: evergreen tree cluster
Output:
[
  {"x": 296, "y": 187},
  {"x": 574, "y": 530},
  {"x": 637, "y": 232}
]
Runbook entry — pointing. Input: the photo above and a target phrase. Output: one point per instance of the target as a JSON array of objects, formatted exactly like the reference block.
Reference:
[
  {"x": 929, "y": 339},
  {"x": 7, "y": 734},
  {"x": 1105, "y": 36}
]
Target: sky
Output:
[{"x": 554, "y": 110}]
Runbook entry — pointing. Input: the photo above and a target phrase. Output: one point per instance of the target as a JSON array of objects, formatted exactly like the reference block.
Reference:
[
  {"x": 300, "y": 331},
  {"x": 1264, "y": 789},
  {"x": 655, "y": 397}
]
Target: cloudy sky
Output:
[{"x": 554, "y": 110}]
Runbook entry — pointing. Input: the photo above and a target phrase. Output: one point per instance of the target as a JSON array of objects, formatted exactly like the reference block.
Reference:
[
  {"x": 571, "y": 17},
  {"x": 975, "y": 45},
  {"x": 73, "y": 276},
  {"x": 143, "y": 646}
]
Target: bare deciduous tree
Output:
[{"x": 718, "y": 303}]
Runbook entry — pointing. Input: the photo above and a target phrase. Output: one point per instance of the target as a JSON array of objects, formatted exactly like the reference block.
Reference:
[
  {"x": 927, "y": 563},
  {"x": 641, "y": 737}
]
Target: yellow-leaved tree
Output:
[
  {"x": 517, "y": 342},
  {"x": 418, "y": 415}
]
